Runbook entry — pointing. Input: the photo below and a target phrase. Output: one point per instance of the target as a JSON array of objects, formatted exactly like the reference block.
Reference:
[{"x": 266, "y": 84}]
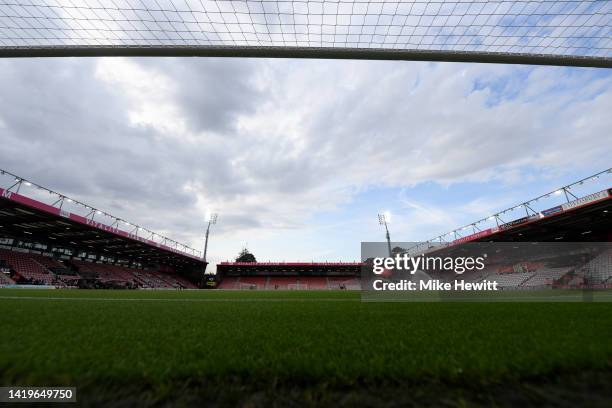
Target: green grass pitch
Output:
[{"x": 258, "y": 348}]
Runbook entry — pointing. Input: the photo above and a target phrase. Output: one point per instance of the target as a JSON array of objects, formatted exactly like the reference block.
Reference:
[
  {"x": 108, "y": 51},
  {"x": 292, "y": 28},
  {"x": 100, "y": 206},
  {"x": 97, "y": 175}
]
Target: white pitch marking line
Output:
[{"x": 181, "y": 300}]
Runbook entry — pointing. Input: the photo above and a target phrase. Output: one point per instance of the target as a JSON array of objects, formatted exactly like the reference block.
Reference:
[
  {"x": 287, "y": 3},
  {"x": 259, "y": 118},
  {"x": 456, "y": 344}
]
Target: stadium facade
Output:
[
  {"x": 289, "y": 275},
  {"x": 585, "y": 218},
  {"x": 46, "y": 244},
  {"x": 565, "y": 247}
]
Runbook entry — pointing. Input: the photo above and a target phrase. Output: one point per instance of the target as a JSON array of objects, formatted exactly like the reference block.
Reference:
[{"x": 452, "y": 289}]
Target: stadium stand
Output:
[
  {"x": 63, "y": 242},
  {"x": 582, "y": 220},
  {"x": 156, "y": 279},
  {"x": 26, "y": 269},
  {"x": 172, "y": 280},
  {"x": 43, "y": 270},
  {"x": 599, "y": 270},
  {"x": 514, "y": 276},
  {"x": 150, "y": 281},
  {"x": 582, "y": 224},
  {"x": 46, "y": 244},
  {"x": 289, "y": 276},
  {"x": 546, "y": 276},
  {"x": 506, "y": 280},
  {"x": 5, "y": 279},
  {"x": 282, "y": 282},
  {"x": 230, "y": 282},
  {"x": 131, "y": 277},
  {"x": 37, "y": 269},
  {"x": 104, "y": 273},
  {"x": 49, "y": 263},
  {"x": 253, "y": 282},
  {"x": 336, "y": 282},
  {"x": 527, "y": 274},
  {"x": 314, "y": 283},
  {"x": 475, "y": 276}
]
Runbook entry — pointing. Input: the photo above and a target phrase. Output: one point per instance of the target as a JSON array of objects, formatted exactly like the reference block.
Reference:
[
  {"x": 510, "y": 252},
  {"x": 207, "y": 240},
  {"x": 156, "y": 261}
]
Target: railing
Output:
[
  {"x": 59, "y": 201},
  {"x": 528, "y": 206}
]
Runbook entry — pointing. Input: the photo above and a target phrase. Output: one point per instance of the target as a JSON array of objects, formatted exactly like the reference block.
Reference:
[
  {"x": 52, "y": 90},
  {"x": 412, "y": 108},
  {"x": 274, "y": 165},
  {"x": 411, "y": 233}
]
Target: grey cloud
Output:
[
  {"x": 311, "y": 133},
  {"x": 213, "y": 92}
]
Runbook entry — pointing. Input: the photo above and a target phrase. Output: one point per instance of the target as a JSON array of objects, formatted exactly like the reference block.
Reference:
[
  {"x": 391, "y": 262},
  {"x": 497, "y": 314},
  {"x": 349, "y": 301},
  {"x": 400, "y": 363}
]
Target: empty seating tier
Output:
[{"x": 38, "y": 269}]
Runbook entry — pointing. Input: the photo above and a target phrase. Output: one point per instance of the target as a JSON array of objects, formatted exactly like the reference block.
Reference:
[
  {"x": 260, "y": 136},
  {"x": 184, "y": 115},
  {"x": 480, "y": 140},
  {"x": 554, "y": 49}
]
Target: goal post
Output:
[{"x": 549, "y": 32}]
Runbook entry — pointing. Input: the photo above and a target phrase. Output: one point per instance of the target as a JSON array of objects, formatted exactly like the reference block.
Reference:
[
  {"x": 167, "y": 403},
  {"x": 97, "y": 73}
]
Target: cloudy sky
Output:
[{"x": 298, "y": 156}]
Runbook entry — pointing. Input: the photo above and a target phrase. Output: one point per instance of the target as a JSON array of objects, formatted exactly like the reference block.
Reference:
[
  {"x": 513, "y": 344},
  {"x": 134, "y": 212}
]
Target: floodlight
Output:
[
  {"x": 384, "y": 218},
  {"x": 212, "y": 220}
]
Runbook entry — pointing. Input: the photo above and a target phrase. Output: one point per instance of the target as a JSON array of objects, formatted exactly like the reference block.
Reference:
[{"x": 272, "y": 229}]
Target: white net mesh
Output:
[{"x": 557, "y": 28}]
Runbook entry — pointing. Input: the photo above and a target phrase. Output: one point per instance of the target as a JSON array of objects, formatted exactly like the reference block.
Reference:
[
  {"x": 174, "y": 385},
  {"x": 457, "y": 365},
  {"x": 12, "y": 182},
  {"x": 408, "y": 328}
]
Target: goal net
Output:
[{"x": 558, "y": 32}]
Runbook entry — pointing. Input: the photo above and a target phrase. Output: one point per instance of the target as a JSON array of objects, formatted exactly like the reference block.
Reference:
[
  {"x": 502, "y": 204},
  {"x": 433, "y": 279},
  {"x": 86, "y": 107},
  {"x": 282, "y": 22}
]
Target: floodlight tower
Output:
[
  {"x": 212, "y": 220},
  {"x": 384, "y": 219}
]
